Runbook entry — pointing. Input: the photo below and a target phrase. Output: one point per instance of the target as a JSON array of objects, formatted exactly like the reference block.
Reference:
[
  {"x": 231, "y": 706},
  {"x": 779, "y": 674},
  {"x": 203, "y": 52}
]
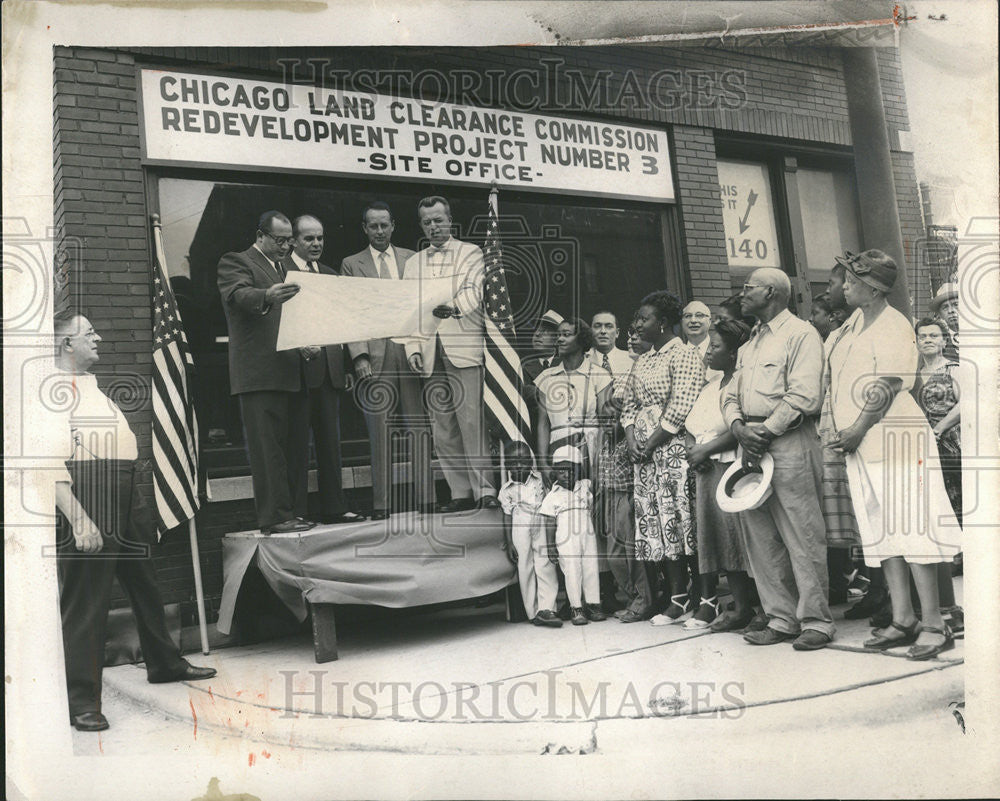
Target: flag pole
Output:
[
  {"x": 494, "y": 204},
  {"x": 199, "y": 591}
]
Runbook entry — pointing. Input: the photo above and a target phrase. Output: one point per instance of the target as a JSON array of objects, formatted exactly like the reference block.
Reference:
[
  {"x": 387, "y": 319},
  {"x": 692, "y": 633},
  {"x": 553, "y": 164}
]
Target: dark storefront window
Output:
[{"x": 576, "y": 256}]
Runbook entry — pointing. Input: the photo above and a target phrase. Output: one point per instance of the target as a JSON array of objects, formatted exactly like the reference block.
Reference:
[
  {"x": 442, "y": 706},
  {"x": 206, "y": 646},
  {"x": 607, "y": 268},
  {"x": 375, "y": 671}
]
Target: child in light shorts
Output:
[
  {"x": 570, "y": 529},
  {"x": 524, "y": 529}
]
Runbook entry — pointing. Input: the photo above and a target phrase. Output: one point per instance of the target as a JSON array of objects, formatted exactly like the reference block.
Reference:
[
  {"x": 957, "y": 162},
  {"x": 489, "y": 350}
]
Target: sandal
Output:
[
  {"x": 879, "y": 642},
  {"x": 918, "y": 653},
  {"x": 697, "y": 623}
]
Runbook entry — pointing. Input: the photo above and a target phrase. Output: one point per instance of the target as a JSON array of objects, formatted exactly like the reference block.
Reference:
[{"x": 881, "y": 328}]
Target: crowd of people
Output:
[
  {"x": 627, "y": 501},
  {"x": 787, "y": 458}
]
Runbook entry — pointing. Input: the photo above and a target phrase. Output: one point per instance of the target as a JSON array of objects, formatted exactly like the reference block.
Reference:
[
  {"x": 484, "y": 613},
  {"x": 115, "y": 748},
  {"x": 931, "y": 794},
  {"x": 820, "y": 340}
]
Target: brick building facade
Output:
[{"x": 783, "y": 107}]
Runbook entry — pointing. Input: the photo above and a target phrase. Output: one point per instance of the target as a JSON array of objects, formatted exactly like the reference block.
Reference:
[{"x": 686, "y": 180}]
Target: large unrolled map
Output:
[{"x": 334, "y": 309}]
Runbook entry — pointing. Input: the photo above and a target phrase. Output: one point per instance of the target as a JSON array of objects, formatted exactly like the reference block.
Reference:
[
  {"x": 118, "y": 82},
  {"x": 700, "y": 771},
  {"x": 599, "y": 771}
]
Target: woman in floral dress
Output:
[{"x": 663, "y": 387}]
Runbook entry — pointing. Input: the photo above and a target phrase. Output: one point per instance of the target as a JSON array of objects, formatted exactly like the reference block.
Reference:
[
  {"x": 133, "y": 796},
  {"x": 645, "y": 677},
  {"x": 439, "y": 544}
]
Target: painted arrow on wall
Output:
[{"x": 751, "y": 199}]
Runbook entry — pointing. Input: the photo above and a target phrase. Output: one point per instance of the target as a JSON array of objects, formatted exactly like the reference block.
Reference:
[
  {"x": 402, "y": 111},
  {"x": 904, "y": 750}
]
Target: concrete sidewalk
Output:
[{"x": 463, "y": 681}]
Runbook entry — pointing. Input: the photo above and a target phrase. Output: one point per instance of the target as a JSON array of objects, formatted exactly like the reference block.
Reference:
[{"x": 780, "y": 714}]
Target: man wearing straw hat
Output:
[{"x": 769, "y": 406}]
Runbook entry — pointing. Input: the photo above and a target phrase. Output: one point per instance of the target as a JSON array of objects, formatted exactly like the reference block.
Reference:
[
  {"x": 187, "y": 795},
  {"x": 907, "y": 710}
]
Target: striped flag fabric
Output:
[
  {"x": 503, "y": 388},
  {"x": 175, "y": 425}
]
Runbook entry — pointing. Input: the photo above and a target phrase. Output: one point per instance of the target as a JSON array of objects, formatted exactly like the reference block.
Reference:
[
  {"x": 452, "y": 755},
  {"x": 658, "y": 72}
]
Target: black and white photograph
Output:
[{"x": 482, "y": 399}]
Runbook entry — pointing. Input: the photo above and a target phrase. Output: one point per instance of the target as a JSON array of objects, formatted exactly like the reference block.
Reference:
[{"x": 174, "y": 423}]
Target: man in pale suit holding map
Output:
[
  {"x": 452, "y": 359},
  {"x": 386, "y": 383}
]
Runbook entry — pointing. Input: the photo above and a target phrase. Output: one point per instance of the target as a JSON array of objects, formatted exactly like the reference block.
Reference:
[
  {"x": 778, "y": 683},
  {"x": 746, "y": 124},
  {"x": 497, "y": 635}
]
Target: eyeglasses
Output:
[
  {"x": 695, "y": 316},
  {"x": 280, "y": 241},
  {"x": 748, "y": 287}
]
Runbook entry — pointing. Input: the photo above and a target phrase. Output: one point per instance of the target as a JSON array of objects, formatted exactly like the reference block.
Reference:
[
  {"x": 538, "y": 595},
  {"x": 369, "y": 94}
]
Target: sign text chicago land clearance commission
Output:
[{"x": 248, "y": 124}]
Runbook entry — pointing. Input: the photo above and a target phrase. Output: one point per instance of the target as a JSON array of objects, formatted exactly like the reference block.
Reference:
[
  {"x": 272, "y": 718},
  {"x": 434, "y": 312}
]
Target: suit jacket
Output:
[
  {"x": 254, "y": 362},
  {"x": 361, "y": 265},
  {"x": 461, "y": 337},
  {"x": 330, "y": 361}
]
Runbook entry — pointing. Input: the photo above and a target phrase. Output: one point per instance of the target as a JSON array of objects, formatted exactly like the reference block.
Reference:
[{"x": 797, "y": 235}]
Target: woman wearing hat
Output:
[
  {"x": 663, "y": 387},
  {"x": 899, "y": 498}
]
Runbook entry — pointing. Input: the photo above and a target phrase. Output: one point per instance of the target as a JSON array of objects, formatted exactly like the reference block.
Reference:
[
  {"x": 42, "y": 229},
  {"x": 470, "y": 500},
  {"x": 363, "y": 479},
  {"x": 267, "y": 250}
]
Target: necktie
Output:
[
  {"x": 312, "y": 266},
  {"x": 606, "y": 363},
  {"x": 383, "y": 267}
]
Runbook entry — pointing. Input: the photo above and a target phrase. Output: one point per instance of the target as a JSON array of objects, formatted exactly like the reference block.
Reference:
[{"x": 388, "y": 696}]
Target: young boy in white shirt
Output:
[
  {"x": 570, "y": 529},
  {"x": 524, "y": 529}
]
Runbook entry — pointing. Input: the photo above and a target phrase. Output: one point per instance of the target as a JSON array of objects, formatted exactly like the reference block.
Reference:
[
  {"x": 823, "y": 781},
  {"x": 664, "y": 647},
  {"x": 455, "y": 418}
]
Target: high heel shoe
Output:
[
  {"x": 674, "y": 612},
  {"x": 694, "y": 622},
  {"x": 879, "y": 642},
  {"x": 919, "y": 653}
]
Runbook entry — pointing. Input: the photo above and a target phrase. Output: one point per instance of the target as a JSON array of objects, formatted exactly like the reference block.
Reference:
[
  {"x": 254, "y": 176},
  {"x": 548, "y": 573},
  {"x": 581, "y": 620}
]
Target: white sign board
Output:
[
  {"x": 249, "y": 124},
  {"x": 748, "y": 216}
]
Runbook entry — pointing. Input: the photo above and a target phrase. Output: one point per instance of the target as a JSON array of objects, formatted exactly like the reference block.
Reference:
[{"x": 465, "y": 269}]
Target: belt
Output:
[{"x": 752, "y": 418}]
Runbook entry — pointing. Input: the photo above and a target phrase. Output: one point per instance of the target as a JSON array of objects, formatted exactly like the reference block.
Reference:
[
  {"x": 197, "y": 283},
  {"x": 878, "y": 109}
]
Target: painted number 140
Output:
[{"x": 756, "y": 249}]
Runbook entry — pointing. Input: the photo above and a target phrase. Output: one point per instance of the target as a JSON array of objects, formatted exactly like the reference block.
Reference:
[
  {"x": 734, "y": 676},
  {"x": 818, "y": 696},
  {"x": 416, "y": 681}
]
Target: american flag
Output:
[
  {"x": 503, "y": 389},
  {"x": 175, "y": 427}
]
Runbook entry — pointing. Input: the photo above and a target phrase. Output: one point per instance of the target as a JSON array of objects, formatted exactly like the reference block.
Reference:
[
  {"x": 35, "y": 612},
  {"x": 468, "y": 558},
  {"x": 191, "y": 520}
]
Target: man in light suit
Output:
[
  {"x": 325, "y": 380},
  {"x": 452, "y": 357},
  {"x": 268, "y": 382},
  {"x": 386, "y": 383}
]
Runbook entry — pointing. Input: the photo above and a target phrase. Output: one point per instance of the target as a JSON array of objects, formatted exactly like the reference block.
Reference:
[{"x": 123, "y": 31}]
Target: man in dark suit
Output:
[
  {"x": 389, "y": 385},
  {"x": 325, "y": 379},
  {"x": 268, "y": 382}
]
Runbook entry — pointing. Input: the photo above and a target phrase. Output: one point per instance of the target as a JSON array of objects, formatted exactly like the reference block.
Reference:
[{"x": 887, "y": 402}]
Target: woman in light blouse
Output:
[
  {"x": 663, "y": 386},
  {"x": 904, "y": 517}
]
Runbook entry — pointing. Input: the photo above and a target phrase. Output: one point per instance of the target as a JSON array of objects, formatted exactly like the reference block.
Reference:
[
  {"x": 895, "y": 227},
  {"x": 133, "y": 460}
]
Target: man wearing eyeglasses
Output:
[
  {"x": 268, "y": 382},
  {"x": 769, "y": 406},
  {"x": 695, "y": 322}
]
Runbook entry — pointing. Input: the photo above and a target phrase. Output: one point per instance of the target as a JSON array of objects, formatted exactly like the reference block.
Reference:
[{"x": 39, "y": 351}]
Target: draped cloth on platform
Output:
[{"x": 371, "y": 564}]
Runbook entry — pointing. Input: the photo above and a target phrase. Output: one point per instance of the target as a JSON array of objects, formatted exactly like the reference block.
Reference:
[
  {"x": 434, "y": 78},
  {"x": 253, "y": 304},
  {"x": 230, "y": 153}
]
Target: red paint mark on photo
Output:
[
  {"x": 194, "y": 717},
  {"x": 251, "y": 759}
]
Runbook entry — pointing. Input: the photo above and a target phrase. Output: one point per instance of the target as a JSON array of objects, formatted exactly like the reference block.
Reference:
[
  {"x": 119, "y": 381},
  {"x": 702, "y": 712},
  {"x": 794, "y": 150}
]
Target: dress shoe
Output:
[
  {"x": 488, "y": 502},
  {"x": 89, "y": 721},
  {"x": 379, "y": 514},
  {"x": 630, "y": 616},
  {"x": 456, "y": 505},
  {"x": 546, "y": 617},
  {"x": 768, "y": 636},
  {"x": 189, "y": 673},
  {"x": 579, "y": 618},
  {"x": 593, "y": 613},
  {"x": 345, "y": 517},
  {"x": 288, "y": 527},
  {"x": 811, "y": 640},
  {"x": 919, "y": 653},
  {"x": 758, "y": 622},
  {"x": 730, "y": 621}
]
